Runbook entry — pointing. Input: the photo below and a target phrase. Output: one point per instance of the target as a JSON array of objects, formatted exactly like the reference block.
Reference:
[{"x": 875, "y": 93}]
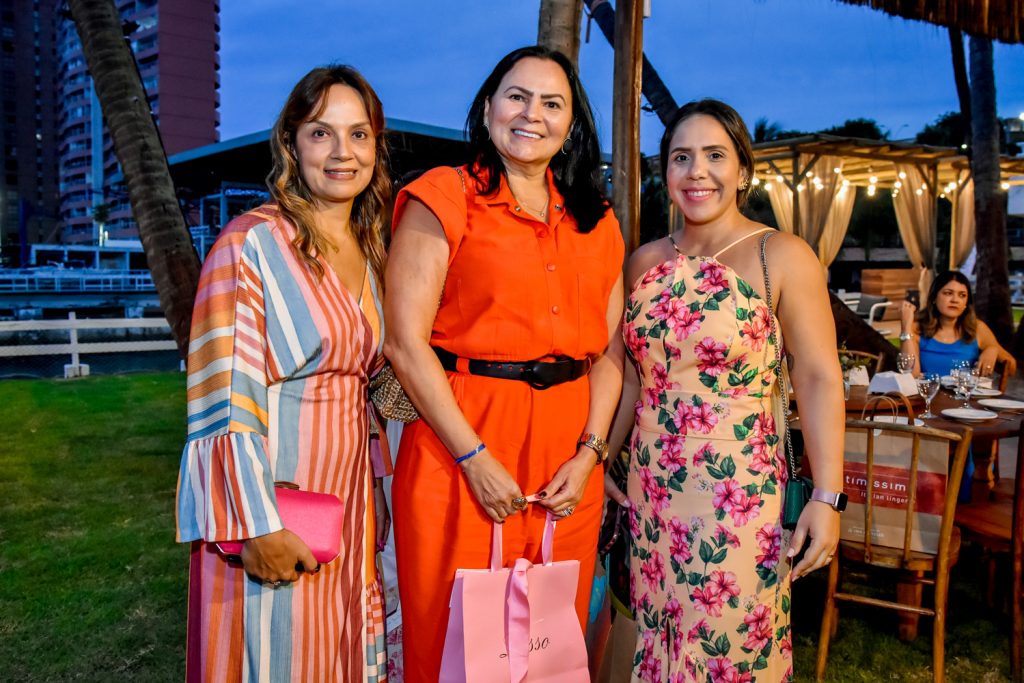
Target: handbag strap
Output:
[
  {"x": 779, "y": 379},
  {"x": 546, "y": 545}
]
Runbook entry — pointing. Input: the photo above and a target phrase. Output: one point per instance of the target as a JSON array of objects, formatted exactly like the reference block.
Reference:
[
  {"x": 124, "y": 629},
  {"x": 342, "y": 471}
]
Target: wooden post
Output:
[{"x": 626, "y": 119}]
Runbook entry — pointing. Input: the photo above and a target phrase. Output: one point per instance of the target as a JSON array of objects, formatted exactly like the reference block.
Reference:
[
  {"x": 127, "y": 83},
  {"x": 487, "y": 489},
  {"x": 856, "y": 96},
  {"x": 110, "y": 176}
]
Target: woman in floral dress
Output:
[{"x": 710, "y": 565}]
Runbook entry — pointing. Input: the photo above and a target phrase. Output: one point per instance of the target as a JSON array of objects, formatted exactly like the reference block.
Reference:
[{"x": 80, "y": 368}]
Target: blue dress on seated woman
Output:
[{"x": 940, "y": 357}]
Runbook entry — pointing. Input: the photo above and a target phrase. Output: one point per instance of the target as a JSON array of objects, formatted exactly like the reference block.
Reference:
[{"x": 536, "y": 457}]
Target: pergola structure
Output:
[{"x": 823, "y": 167}]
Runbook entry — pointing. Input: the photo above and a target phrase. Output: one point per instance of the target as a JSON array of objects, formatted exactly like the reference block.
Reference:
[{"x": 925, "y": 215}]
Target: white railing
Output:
[
  {"x": 57, "y": 280},
  {"x": 74, "y": 348}
]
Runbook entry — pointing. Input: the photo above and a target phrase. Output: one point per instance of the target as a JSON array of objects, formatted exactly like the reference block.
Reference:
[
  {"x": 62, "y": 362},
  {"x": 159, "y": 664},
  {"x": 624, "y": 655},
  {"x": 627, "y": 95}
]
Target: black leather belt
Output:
[{"x": 539, "y": 374}]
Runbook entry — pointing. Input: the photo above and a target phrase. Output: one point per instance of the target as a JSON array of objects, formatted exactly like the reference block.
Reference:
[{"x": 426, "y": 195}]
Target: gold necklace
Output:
[{"x": 543, "y": 213}]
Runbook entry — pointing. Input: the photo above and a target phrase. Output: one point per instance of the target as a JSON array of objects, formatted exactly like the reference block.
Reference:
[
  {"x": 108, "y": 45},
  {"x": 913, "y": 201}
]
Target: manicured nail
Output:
[
  {"x": 791, "y": 552},
  {"x": 627, "y": 503},
  {"x": 542, "y": 494}
]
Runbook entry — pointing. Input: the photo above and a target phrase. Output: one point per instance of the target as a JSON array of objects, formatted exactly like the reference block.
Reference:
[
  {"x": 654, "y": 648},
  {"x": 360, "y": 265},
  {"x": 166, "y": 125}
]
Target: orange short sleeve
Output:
[{"x": 440, "y": 190}]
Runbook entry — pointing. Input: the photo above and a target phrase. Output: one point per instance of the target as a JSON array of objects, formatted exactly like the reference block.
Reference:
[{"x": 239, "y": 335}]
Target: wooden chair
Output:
[
  {"x": 874, "y": 360},
  {"x": 913, "y": 568},
  {"x": 997, "y": 526}
]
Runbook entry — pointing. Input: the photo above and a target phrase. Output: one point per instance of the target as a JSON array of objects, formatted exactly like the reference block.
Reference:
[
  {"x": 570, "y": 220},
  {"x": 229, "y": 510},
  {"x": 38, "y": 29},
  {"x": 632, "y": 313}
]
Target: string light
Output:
[
  {"x": 779, "y": 178},
  {"x": 897, "y": 184},
  {"x": 809, "y": 174},
  {"x": 1005, "y": 186},
  {"x": 768, "y": 186},
  {"x": 871, "y": 190},
  {"x": 903, "y": 175},
  {"x": 756, "y": 181},
  {"x": 836, "y": 170},
  {"x": 873, "y": 179},
  {"x": 919, "y": 192}
]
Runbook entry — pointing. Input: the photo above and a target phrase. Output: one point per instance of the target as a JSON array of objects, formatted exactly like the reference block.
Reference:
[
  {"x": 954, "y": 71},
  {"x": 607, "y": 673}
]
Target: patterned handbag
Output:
[{"x": 389, "y": 397}]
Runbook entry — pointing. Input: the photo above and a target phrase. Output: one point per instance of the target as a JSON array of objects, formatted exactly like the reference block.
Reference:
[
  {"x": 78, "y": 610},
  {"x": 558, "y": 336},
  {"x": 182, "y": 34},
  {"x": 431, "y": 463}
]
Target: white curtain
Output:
[
  {"x": 915, "y": 216},
  {"x": 963, "y": 222},
  {"x": 825, "y": 206}
]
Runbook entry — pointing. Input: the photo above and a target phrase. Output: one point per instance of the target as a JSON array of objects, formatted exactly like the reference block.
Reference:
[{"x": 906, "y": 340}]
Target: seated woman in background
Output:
[{"x": 947, "y": 331}]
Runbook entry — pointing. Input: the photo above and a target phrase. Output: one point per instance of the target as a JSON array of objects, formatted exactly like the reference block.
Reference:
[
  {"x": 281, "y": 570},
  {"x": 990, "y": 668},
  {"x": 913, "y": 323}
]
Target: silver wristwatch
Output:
[{"x": 837, "y": 501}]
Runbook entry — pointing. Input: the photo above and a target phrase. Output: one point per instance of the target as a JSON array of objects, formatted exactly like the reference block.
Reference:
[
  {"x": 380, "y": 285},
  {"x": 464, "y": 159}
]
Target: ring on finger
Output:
[
  {"x": 568, "y": 511},
  {"x": 519, "y": 503}
]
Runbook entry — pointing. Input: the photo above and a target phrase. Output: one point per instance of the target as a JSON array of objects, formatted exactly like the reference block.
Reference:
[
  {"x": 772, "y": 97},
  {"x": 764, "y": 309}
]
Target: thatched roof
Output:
[
  {"x": 872, "y": 162},
  {"x": 1001, "y": 20}
]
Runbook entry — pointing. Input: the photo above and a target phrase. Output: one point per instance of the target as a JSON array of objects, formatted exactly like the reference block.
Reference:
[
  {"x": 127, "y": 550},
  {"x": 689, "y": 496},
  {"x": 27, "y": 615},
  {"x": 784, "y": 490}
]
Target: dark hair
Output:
[
  {"x": 734, "y": 126},
  {"x": 307, "y": 101},
  {"x": 577, "y": 172},
  {"x": 928, "y": 317}
]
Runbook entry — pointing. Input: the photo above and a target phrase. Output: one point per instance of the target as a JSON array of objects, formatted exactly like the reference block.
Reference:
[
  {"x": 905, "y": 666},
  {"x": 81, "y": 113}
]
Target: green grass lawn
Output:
[
  {"x": 92, "y": 584},
  {"x": 93, "y": 587}
]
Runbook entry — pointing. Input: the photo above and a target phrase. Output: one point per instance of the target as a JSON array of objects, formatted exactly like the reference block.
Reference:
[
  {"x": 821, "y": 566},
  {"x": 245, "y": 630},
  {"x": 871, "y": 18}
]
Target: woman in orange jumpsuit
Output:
[{"x": 517, "y": 371}]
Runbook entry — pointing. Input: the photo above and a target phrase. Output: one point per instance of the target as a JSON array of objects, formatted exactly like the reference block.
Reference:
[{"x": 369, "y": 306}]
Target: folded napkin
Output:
[
  {"x": 885, "y": 382},
  {"x": 858, "y": 376}
]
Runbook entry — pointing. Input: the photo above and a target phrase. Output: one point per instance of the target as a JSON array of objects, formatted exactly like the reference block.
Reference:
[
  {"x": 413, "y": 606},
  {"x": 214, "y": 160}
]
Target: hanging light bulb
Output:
[
  {"x": 1005, "y": 185},
  {"x": 871, "y": 190},
  {"x": 768, "y": 186},
  {"x": 919, "y": 192},
  {"x": 897, "y": 184},
  {"x": 756, "y": 181},
  {"x": 836, "y": 169},
  {"x": 779, "y": 178},
  {"x": 903, "y": 175},
  {"x": 873, "y": 179}
]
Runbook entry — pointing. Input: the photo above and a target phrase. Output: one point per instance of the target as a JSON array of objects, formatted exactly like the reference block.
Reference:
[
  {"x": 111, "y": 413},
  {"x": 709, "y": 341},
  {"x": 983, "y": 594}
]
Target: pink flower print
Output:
[
  {"x": 759, "y": 628},
  {"x": 707, "y": 600},
  {"x": 634, "y": 522},
  {"x": 764, "y": 425},
  {"x": 680, "y": 550},
  {"x": 673, "y": 352},
  {"x": 755, "y": 330},
  {"x": 707, "y": 451},
  {"x": 674, "y": 611},
  {"x": 698, "y": 631},
  {"x": 769, "y": 540},
  {"x": 745, "y": 508},
  {"x": 651, "y": 397},
  {"x": 636, "y": 344},
  {"x": 727, "y": 494},
  {"x": 658, "y": 272},
  {"x": 711, "y": 355},
  {"x": 659, "y": 498},
  {"x": 650, "y": 666},
  {"x": 653, "y": 570},
  {"x": 672, "y": 458},
  {"x": 701, "y": 418},
  {"x": 681, "y": 319},
  {"x": 713, "y": 281},
  {"x": 724, "y": 583},
  {"x": 721, "y": 670},
  {"x": 638, "y": 409},
  {"x": 786, "y": 648},
  {"x": 661, "y": 310},
  {"x": 730, "y": 539},
  {"x": 659, "y": 375},
  {"x": 762, "y": 457}
]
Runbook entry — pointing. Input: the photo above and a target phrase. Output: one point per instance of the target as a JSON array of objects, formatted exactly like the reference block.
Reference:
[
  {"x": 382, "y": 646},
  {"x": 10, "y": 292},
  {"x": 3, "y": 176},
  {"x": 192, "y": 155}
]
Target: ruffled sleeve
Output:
[{"x": 226, "y": 482}]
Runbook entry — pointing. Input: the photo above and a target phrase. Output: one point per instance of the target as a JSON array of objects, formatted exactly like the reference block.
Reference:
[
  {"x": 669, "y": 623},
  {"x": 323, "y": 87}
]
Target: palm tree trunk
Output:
[
  {"x": 993, "y": 295},
  {"x": 559, "y": 27},
  {"x": 963, "y": 86},
  {"x": 653, "y": 88},
  {"x": 165, "y": 239}
]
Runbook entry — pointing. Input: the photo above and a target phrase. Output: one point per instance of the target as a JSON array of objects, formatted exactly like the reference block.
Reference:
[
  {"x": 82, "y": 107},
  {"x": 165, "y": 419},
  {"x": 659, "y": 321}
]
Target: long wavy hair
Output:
[
  {"x": 928, "y": 319},
  {"x": 307, "y": 101},
  {"x": 734, "y": 127},
  {"x": 577, "y": 171}
]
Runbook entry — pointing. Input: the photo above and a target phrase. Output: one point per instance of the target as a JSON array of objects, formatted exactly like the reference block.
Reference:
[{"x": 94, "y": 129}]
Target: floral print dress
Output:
[{"x": 709, "y": 589}]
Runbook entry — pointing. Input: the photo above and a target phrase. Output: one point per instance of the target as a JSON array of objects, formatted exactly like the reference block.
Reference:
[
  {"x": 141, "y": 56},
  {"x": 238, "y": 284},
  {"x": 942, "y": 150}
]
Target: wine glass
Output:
[
  {"x": 905, "y": 362},
  {"x": 928, "y": 386},
  {"x": 966, "y": 381}
]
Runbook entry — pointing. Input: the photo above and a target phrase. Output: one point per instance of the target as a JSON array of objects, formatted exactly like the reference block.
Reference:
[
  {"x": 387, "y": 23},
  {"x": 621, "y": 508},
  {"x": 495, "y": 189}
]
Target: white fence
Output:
[
  {"x": 74, "y": 349},
  {"x": 47, "y": 280}
]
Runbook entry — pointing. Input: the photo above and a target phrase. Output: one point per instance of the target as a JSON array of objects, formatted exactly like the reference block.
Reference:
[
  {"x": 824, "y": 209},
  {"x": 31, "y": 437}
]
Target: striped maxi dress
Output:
[{"x": 277, "y": 374}]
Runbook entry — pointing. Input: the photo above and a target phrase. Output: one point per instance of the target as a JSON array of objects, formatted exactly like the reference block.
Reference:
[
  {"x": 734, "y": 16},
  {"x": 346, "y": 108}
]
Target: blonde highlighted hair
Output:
[{"x": 307, "y": 101}]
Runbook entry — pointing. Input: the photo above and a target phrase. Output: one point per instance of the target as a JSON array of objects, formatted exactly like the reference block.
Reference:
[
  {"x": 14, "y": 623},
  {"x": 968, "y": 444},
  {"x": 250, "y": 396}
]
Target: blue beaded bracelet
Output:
[{"x": 469, "y": 455}]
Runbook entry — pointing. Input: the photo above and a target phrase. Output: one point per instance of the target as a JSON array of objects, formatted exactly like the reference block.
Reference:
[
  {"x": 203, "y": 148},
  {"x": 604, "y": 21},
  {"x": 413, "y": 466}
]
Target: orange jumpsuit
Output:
[{"x": 517, "y": 289}]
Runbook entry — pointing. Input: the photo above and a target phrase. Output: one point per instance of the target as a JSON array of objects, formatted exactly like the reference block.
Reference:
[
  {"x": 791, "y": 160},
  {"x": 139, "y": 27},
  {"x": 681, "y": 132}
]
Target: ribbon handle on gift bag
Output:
[{"x": 517, "y": 603}]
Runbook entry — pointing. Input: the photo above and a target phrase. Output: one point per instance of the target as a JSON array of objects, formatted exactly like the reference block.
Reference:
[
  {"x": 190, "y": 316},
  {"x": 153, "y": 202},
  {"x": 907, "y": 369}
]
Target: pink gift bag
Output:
[{"x": 516, "y": 624}]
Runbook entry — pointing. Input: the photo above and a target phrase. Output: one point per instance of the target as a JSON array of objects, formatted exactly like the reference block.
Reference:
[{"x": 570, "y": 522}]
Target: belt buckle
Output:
[{"x": 543, "y": 374}]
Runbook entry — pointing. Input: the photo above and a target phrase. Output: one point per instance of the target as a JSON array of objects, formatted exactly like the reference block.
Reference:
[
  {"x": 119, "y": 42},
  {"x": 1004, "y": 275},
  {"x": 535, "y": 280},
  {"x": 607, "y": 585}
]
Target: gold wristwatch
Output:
[{"x": 596, "y": 444}]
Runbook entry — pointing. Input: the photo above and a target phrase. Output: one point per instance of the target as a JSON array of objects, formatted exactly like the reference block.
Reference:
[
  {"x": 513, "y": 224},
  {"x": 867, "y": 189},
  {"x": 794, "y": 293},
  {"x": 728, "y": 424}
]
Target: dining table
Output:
[{"x": 986, "y": 435}]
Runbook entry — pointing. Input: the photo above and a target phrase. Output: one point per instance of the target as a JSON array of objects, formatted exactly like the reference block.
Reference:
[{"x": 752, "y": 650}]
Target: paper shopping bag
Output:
[
  {"x": 517, "y": 624},
  {"x": 890, "y": 489}
]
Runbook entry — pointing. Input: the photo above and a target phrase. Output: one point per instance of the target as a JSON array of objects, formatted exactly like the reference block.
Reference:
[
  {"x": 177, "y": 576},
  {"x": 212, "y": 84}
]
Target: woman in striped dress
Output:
[{"x": 286, "y": 330}]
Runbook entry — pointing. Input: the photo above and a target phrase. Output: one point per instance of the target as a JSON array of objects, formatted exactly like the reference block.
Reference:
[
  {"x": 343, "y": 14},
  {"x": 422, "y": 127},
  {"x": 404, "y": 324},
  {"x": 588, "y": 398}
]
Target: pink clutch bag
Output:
[{"x": 314, "y": 517}]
